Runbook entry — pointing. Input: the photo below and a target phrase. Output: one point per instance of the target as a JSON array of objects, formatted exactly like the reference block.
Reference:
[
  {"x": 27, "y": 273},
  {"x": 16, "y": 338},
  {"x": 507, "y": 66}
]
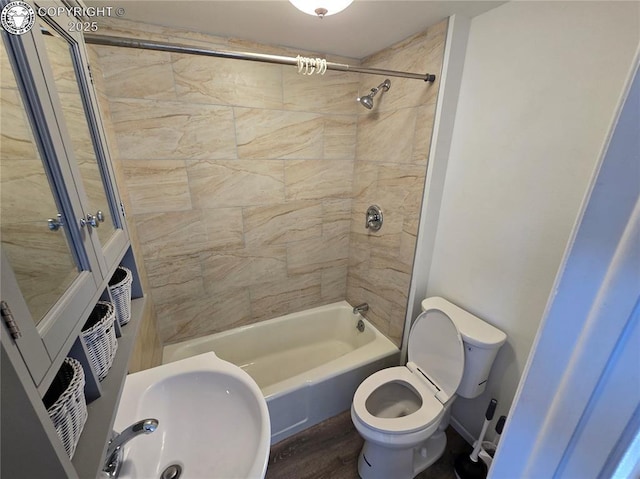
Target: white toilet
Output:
[{"x": 402, "y": 412}]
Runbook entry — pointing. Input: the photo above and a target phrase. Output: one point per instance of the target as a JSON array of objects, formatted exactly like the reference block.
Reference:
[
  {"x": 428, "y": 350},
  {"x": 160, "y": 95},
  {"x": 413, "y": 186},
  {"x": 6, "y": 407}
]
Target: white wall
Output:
[{"x": 540, "y": 85}]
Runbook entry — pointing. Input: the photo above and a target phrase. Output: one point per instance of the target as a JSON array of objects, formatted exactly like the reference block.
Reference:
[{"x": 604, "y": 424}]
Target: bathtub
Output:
[{"x": 307, "y": 364}]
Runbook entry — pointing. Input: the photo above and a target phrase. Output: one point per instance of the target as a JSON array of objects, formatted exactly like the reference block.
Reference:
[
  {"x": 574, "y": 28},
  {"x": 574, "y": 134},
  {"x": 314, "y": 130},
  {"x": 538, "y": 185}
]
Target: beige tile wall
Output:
[
  {"x": 248, "y": 183},
  {"x": 240, "y": 180},
  {"x": 391, "y": 157},
  {"x": 147, "y": 351}
]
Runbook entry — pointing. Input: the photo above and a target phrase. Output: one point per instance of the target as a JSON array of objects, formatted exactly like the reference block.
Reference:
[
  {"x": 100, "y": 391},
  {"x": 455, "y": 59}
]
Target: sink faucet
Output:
[
  {"x": 115, "y": 452},
  {"x": 361, "y": 308}
]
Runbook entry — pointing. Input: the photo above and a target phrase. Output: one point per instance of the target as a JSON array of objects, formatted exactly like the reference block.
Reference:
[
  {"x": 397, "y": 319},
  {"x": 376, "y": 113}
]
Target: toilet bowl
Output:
[{"x": 402, "y": 411}]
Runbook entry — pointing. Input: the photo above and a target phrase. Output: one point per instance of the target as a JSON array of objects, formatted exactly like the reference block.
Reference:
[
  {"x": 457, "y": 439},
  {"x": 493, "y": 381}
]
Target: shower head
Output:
[{"x": 367, "y": 100}]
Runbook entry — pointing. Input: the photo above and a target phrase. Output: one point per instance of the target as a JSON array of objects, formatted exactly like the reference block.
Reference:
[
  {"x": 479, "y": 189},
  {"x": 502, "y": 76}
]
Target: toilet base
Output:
[{"x": 384, "y": 462}]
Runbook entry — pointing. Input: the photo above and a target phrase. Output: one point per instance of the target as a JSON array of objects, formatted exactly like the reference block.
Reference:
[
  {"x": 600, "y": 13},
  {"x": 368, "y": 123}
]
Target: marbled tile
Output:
[
  {"x": 83, "y": 150},
  {"x": 265, "y": 134},
  {"x": 207, "y": 315},
  {"x": 134, "y": 73},
  {"x": 41, "y": 260},
  {"x": 216, "y": 184},
  {"x": 336, "y": 222},
  {"x": 224, "y": 228},
  {"x": 150, "y": 129},
  {"x": 7, "y": 79},
  {"x": 121, "y": 27},
  {"x": 397, "y": 318},
  {"x": 227, "y": 82},
  {"x": 423, "y": 134},
  {"x": 401, "y": 185},
  {"x": 420, "y": 53},
  {"x": 243, "y": 268},
  {"x": 147, "y": 351},
  {"x": 25, "y": 192},
  {"x": 197, "y": 39},
  {"x": 61, "y": 63},
  {"x": 333, "y": 92},
  {"x": 330, "y": 250},
  {"x": 16, "y": 137},
  {"x": 334, "y": 283},
  {"x": 386, "y": 137},
  {"x": 359, "y": 254},
  {"x": 175, "y": 278},
  {"x": 364, "y": 186},
  {"x": 361, "y": 290},
  {"x": 171, "y": 234},
  {"x": 413, "y": 205},
  {"x": 389, "y": 276},
  {"x": 282, "y": 223},
  {"x": 338, "y": 209},
  {"x": 407, "y": 249},
  {"x": 317, "y": 179},
  {"x": 340, "y": 137},
  {"x": 276, "y": 298},
  {"x": 157, "y": 186}
]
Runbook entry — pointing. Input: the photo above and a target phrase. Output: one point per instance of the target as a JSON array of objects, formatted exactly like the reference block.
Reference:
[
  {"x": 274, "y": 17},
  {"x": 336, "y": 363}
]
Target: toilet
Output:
[{"x": 402, "y": 412}]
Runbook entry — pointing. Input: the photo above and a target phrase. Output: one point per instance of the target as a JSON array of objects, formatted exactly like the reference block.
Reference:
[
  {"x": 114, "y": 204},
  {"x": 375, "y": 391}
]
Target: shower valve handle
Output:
[{"x": 373, "y": 218}]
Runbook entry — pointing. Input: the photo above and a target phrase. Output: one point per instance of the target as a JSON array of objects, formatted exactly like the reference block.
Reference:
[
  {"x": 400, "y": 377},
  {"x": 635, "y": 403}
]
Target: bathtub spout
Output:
[{"x": 361, "y": 308}]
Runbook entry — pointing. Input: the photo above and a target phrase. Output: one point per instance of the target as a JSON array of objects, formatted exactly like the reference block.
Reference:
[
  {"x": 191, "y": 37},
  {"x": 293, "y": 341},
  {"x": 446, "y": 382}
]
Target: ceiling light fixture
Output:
[{"x": 321, "y": 8}]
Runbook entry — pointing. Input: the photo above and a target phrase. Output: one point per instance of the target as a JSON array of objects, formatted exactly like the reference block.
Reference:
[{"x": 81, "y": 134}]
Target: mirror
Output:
[
  {"x": 38, "y": 249},
  {"x": 62, "y": 60}
]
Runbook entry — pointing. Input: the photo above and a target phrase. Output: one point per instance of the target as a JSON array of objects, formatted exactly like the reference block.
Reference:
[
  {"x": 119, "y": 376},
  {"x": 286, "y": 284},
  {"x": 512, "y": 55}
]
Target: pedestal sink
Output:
[{"x": 213, "y": 422}]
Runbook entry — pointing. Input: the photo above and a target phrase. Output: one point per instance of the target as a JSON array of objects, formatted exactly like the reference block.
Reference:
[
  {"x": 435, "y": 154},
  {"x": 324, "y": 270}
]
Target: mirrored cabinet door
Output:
[
  {"x": 31, "y": 221},
  {"x": 61, "y": 57},
  {"x": 61, "y": 223},
  {"x": 45, "y": 262},
  {"x": 65, "y": 66}
]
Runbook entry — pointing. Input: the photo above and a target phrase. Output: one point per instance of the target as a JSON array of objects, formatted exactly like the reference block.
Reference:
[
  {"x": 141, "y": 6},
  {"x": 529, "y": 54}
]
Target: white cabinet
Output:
[
  {"x": 62, "y": 226},
  {"x": 63, "y": 234}
]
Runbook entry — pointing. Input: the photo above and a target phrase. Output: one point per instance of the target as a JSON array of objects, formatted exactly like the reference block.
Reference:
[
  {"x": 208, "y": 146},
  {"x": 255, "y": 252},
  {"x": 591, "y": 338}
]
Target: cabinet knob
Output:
[
  {"x": 55, "y": 224},
  {"x": 92, "y": 220}
]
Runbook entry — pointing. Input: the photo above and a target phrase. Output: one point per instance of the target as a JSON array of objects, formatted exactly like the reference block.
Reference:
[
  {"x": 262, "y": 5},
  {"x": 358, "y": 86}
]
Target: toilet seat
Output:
[
  {"x": 433, "y": 373},
  {"x": 429, "y": 412},
  {"x": 436, "y": 350}
]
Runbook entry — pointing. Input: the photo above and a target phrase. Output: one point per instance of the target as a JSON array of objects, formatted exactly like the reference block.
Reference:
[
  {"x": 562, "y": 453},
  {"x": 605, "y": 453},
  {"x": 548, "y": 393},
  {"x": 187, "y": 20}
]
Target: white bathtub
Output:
[{"x": 307, "y": 364}]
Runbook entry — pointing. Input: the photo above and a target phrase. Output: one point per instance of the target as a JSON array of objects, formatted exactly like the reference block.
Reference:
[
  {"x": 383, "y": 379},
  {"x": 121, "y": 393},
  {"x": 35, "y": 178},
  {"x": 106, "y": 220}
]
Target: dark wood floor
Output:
[{"x": 330, "y": 450}]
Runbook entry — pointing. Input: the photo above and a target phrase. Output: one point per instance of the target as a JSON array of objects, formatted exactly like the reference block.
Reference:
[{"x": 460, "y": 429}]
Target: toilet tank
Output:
[{"x": 481, "y": 344}]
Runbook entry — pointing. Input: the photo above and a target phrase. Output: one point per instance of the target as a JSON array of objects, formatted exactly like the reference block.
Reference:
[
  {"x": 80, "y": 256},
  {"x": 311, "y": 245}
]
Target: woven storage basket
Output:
[
  {"x": 120, "y": 287},
  {"x": 66, "y": 405},
  {"x": 100, "y": 337}
]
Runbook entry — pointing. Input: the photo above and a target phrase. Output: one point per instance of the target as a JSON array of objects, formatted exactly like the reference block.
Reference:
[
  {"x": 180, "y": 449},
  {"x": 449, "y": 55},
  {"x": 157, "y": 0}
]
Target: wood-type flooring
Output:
[{"x": 329, "y": 450}]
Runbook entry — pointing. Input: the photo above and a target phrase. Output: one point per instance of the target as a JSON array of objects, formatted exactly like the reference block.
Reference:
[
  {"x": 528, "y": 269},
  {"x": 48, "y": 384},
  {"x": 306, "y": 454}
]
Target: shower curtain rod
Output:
[{"x": 256, "y": 57}]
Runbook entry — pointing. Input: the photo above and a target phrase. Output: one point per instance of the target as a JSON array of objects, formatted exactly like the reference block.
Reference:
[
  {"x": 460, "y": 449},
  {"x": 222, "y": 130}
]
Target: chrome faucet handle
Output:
[
  {"x": 115, "y": 452},
  {"x": 373, "y": 218}
]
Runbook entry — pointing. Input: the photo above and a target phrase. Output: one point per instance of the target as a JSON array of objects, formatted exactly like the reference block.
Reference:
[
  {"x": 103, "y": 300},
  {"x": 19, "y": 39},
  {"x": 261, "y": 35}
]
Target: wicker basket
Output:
[
  {"x": 99, "y": 336},
  {"x": 120, "y": 287},
  {"x": 66, "y": 405}
]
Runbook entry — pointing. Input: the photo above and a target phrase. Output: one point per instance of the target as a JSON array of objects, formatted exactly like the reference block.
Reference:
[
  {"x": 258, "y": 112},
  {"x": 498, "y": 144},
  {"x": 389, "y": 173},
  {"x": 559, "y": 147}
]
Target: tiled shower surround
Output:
[{"x": 249, "y": 183}]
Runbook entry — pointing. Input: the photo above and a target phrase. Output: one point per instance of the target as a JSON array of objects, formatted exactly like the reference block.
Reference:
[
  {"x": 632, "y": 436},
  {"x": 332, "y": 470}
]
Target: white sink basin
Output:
[{"x": 213, "y": 421}]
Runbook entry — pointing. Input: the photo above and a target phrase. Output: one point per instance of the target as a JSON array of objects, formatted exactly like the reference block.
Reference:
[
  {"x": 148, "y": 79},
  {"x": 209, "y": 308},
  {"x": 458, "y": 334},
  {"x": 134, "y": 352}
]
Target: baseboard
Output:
[{"x": 460, "y": 429}]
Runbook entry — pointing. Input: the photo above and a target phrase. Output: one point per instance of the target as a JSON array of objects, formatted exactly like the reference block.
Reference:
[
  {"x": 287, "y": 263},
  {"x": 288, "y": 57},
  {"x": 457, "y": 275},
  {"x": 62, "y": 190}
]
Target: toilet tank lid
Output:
[{"x": 473, "y": 330}]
